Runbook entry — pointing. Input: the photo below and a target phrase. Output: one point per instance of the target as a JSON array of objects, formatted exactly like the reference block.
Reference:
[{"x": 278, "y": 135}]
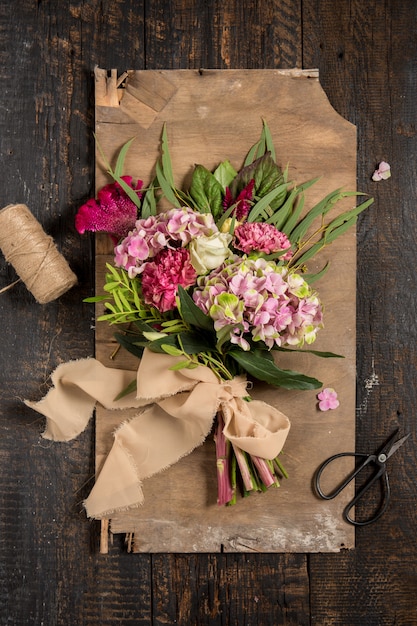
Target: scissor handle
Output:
[
  {"x": 329, "y": 496},
  {"x": 381, "y": 473}
]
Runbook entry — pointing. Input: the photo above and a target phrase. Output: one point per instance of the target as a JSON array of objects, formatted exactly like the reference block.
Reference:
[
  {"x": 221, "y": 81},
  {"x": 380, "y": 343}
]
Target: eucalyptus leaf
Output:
[
  {"x": 166, "y": 159},
  {"x": 257, "y": 209},
  {"x": 166, "y": 187}
]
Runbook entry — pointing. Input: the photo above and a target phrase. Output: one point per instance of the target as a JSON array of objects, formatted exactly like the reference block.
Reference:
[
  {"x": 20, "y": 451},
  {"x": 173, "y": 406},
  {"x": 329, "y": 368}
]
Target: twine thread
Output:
[{"x": 33, "y": 254}]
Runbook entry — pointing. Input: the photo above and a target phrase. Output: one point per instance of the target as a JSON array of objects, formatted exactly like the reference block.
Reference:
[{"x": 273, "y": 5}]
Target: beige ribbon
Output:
[{"x": 177, "y": 412}]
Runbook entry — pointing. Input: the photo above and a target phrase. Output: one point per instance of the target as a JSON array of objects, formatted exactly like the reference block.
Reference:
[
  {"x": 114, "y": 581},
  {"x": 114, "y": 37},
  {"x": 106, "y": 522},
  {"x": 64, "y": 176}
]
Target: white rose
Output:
[{"x": 207, "y": 253}]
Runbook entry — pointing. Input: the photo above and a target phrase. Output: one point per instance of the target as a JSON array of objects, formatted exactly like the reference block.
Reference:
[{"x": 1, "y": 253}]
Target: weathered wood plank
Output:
[
  {"x": 213, "y": 115},
  {"x": 366, "y": 55},
  {"x": 365, "y": 52}
]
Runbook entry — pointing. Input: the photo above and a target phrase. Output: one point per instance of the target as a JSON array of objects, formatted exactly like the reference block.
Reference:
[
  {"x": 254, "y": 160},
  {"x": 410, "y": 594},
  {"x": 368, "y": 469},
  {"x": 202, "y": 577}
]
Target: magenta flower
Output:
[
  {"x": 113, "y": 212},
  {"x": 161, "y": 277},
  {"x": 261, "y": 237},
  {"x": 328, "y": 399},
  {"x": 242, "y": 202},
  {"x": 383, "y": 172}
]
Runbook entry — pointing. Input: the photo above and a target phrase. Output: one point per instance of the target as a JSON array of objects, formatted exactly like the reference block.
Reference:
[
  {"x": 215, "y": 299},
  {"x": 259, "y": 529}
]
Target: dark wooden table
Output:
[{"x": 51, "y": 571}]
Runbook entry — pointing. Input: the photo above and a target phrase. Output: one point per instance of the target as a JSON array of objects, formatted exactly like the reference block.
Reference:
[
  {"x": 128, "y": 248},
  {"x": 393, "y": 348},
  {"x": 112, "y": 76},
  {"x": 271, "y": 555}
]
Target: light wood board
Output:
[{"x": 212, "y": 115}]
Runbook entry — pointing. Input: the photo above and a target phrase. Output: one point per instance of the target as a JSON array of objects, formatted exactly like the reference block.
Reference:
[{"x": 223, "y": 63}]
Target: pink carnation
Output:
[
  {"x": 262, "y": 237},
  {"x": 161, "y": 277},
  {"x": 113, "y": 212}
]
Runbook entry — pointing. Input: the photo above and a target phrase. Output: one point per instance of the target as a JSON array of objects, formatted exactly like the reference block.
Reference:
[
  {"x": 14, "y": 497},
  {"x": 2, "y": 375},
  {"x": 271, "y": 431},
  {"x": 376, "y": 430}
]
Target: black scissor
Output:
[{"x": 378, "y": 460}]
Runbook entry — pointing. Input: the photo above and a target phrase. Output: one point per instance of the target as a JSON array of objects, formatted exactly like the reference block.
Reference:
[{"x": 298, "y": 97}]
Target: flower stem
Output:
[
  {"x": 245, "y": 470},
  {"x": 224, "y": 486}
]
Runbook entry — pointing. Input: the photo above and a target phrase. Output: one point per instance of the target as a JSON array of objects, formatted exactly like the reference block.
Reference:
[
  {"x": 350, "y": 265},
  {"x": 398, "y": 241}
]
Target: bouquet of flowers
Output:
[{"x": 219, "y": 278}]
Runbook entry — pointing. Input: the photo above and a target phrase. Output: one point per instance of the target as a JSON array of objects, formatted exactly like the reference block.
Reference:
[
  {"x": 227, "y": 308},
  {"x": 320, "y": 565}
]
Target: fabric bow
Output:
[{"x": 176, "y": 412}]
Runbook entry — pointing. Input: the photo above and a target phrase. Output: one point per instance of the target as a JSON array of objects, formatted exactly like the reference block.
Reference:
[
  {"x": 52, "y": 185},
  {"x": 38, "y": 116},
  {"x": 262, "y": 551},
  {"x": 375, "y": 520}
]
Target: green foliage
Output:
[
  {"x": 262, "y": 368},
  {"x": 188, "y": 333},
  {"x": 206, "y": 191}
]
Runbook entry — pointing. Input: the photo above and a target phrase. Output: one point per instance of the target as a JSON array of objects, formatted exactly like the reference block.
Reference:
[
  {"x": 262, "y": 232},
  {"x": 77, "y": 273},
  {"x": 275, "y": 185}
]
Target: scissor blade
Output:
[{"x": 397, "y": 445}]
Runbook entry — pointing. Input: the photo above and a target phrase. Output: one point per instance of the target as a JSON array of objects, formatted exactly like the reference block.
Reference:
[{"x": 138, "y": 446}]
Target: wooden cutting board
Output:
[{"x": 212, "y": 115}]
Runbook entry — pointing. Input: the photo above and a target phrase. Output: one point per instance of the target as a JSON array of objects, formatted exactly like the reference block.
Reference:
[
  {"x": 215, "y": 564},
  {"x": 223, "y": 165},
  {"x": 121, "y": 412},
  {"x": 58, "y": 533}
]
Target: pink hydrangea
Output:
[
  {"x": 184, "y": 224},
  {"x": 165, "y": 230},
  {"x": 260, "y": 300},
  {"x": 328, "y": 399},
  {"x": 149, "y": 237},
  {"x": 113, "y": 212},
  {"x": 261, "y": 237},
  {"x": 161, "y": 277}
]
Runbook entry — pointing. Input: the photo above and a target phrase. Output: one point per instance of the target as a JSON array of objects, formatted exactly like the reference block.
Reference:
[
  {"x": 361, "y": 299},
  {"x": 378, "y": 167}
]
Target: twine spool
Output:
[{"x": 33, "y": 254}]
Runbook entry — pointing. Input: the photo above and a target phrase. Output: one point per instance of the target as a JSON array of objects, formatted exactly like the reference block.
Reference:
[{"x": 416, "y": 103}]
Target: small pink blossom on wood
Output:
[
  {"x": 383, "y": 172},
  {"x": 328, "y": 399}
]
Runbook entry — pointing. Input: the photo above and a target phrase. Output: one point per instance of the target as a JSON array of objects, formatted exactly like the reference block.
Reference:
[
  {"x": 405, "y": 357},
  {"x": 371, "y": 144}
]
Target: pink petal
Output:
[
  {"x": 383, "y": 172},
  {"x": 328, "y": 399}
]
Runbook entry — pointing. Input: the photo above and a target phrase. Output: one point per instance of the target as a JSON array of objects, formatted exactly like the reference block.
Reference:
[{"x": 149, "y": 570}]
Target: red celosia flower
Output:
[
  {"x": 242, "y": 202},
  {"x": 161, "y": 277},
  {"x": 113, "y": 212}
]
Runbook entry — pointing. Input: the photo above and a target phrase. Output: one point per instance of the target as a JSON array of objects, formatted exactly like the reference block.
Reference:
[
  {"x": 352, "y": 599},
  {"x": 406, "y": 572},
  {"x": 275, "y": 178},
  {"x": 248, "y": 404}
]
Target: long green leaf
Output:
[
  {"x": 324, "y": 355},
  {"x": 265, "y": 370},
  {"x": 264, "y": 202},
  {"x": 166, "y": 158},
  {"x": 118, "y": 170},
  {"x": 269, "y": 144},
  {"x": 319, "y": 209},
  {"x": 129, "y": 389},
  {"x": 292, "y": 220},
  {"x": 166, "y": 187}
]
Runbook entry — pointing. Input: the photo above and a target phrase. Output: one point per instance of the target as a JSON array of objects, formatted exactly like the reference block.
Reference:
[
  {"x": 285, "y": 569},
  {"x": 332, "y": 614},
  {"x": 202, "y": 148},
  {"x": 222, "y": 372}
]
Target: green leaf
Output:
[
  {"x": 180, "y": 366},
  {"x": 257, "y": 209},
  {"x": 149, "y": 201},
  {"x": 264, "y": 171},
  {"x": 191, "y": 313},
  {"x": 263, "y": 369},
  {"x": 324, "y": 355},
  {"x": 224, "y": 174},
  {"x": 96, "y": 299},
  {"x": 118, "y": 170},
  {"x": 117, "y": 173},
  {"x": 171, "y": 350},
  {"x": 129, "y": 389},
  {"x": 225, "y": 216},
  {"x": 206, "y": 191},
  {"x": 156, "y": 346},
  {"x": 256, "y": 151},
  {"x": 268, "y": 139},
  {"x": 166, "y": 159},
  {"x": 130, "y": 343},
  {"x": 312, "y": 278},
  {"x": 166, "y": 187},
  {"x": 318, "y": 210},
  {"x": 348, "y": 215},
  {"x": 195, "y": 343}
]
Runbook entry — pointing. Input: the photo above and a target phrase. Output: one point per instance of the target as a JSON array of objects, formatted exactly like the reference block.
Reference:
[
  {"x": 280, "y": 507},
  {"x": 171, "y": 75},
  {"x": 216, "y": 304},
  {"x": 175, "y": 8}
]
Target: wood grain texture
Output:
[
  {"x": 50, "y": 570},
  {"x": 211, "y": 115}
]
